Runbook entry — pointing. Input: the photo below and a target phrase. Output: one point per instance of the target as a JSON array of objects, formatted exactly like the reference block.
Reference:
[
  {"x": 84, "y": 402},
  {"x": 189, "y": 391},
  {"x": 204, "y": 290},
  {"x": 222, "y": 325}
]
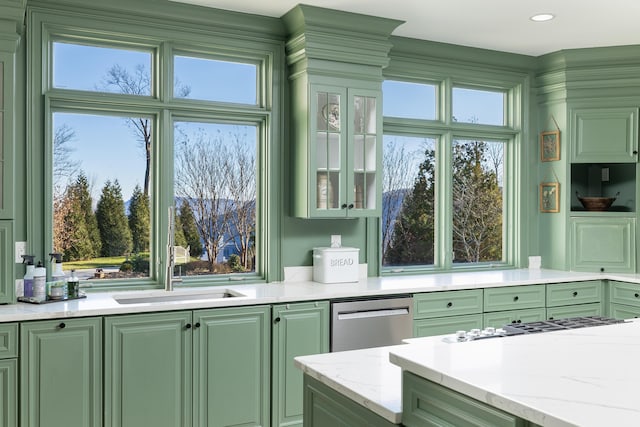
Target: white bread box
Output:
[{"x": 335, "y": 265}]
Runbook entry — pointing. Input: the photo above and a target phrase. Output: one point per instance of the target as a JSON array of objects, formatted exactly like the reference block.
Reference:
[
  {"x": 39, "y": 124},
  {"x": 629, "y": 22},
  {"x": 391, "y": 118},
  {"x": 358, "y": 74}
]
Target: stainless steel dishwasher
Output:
[{"x": 370, "y": 323}]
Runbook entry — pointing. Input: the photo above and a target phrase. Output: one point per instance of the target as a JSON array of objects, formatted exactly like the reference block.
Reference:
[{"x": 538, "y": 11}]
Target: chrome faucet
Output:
[{"x": 169, "y": 277}]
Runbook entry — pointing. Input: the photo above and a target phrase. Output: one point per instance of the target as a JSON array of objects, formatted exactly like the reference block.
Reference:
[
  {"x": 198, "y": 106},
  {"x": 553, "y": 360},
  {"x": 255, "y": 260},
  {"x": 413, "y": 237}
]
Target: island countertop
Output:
[{"x": 582, "y": 377}]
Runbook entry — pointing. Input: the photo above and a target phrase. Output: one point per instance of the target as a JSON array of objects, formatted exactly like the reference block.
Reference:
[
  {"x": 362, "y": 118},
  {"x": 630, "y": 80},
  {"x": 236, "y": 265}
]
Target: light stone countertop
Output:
[
  {"x": 103, "y": 303},
  {"x": 583, "y": 377}
]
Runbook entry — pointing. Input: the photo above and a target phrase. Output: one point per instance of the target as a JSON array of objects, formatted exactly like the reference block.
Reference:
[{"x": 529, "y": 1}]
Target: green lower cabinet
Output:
[
  {"x": 298, "y": 330},
  {"x": 621, "y": 311},
  {"x": 594, "y": 309},
  {"x": 501, "y": 318},
  {"x": 9, "y": 392},
  {"x": 148, "y": 370},
  {"x": 61, "y": 373},
  {"x": 7, "y": 267},
  {"x": 201, "y": 368},
  {"x": 427, "y": 404},
  {"x": 231, "y": 369},
  {"x": 446, "y": 325},
  {"x": 324, "y": 407}
]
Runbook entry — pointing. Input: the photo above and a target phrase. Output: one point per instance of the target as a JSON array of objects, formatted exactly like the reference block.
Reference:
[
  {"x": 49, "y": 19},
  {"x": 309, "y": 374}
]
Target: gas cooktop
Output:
[{"x": 532, "y": 328}]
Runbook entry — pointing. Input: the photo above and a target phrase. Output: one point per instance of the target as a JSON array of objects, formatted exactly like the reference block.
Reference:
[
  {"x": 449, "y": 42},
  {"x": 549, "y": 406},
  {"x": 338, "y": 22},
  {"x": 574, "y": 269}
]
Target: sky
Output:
[{"x": 108, "y": 148}]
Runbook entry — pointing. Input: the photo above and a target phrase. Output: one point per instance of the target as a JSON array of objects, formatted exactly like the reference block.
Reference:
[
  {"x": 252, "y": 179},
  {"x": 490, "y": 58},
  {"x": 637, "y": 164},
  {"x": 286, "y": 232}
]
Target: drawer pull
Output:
[
  {"x": 516, "y": 298},
  {"x": 637, "y": 295},
  {"x": 575, "y": 293},
  {"x": 449, "y": 304},
  {"x": 62, "y": 325}
]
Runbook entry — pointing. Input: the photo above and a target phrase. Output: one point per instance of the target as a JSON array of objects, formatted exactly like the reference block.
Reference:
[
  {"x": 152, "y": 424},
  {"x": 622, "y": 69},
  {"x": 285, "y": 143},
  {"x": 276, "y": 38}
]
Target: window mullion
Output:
[{"x": 444, "y": 202}]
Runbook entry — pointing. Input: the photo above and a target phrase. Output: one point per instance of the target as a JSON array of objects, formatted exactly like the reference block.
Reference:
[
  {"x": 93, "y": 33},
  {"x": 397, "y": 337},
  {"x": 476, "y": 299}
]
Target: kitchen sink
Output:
[{"x": 177, "y": 297}]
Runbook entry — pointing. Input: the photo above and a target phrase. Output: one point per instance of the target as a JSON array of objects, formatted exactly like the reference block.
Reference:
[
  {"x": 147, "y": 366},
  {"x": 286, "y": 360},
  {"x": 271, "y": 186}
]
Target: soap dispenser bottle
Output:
[
  {"x": 57, "y": 277},
  {"x": 40, "y": 283},
  {"x": 28, "y": 276}
]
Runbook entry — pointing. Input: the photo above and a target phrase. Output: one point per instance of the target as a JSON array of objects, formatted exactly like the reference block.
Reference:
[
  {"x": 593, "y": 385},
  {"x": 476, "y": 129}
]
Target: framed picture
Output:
[
  {"x": 550, "y": 197},
  {"x": 550, "y": 146}
]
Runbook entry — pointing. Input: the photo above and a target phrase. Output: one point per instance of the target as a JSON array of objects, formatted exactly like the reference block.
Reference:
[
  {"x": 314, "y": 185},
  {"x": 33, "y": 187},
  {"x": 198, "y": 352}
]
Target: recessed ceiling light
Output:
[{"x": 541, "y": 17}]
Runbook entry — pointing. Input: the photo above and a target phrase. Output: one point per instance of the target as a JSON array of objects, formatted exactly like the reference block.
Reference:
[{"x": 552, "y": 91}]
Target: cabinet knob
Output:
[
  {"x": 575, "y": 293},
  {"x": 514, "y": 321},
  {"x": 519, "y": 321},
  {"x": 276, "y": 320},
  {"x": 601, "y": 269},
  {"x": 197, "y": 325},
  {"x": 551, "y": 318},
  {"x": 637, "y": 295},
  {"x": 516, "y": 298},
  {"x": 635, "y": 152},
  {"x": 188, "y": 326},
  {"x": 350, "y": 206},
  {"x": 344, "y": 206},
  {"x": 62, "y": 325},
  {"x": 449, "y": 304}
]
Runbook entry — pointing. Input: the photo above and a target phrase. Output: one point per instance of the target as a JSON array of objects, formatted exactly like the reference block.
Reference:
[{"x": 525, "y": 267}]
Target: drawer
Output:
[
  {"x": 621, "y": 311},
  {"x": 514, "y": 297},
  {"x": 625, "y": 293},
  {"x": 446, "y": 325},
  {"x": 8, "y": 340},
  {"x": 574, "y": 293},
  {"x": 594, "y": 309},
  {"x": 448, "y": 303},
  {"x": 500, "y": 318},
  {"x": 426, "y": 403}
]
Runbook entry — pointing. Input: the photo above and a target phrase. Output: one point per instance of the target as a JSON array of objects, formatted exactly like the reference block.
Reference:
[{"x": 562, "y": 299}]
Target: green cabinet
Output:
[
  {"x": 324, "y": 407},
  {"x": 9, "y": 374},
  {"x": 7, "y": 125},
  {"x": 603, "y": 243},
  {"x": 337, "y": 151},
  {"x": 201, "y": 368},
  {"x": 298, "y": 329},
  {"x": 604, "y": 134},
  {"x": 7, "y": 267},
  {"x": 425, "y": 403},
  {"x": 231, "y": 368},
  {"x": 440, "y": 313},
  {"x": 61, "y": 373},
  {"x": 624, "y": 299},
  {"x": 498, "y": 319},
  {"x": 514, "y": 304},
  {"x": 574, "y": 299}
]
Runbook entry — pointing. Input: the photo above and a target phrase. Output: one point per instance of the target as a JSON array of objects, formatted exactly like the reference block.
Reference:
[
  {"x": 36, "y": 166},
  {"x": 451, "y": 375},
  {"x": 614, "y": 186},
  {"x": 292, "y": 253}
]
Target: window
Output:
[
  {"x": 122, "y": 147},
  {"x": 445, "y": 198},
  {"x": 409, "y": 100}
]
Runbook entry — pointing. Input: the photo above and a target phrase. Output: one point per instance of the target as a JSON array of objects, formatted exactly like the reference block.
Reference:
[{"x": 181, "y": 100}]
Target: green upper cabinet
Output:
[
  {"x": 61, "y": 373},
  {"x": 604, "y": 135},
  {"x": 604, "y": 243},
  {"x": 7, "y": 267},
  {"x": 335, "y": 67},
  {"x": 298, "y": 330}
]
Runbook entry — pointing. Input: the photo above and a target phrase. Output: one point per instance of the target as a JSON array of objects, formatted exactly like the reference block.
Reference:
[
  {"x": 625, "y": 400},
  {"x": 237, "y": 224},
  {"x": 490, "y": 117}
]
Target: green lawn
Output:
[{"x": 97, "y": 262}]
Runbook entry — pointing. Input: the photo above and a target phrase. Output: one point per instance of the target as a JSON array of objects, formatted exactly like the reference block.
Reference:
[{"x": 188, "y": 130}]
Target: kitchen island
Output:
[{"x": 582, "y": 377}]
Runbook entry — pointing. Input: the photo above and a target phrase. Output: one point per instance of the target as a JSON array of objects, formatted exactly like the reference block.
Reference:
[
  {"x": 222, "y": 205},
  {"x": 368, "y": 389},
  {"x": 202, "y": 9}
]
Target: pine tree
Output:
[
  {"x": 139, "y": 220},
  {"x": 190, "y": 229},
  {"x": 112, "y": 221},
  {"x": 413, "y": 233},
  {"x": 82, "y": 193},
  {"x": 178, "y": 234}
]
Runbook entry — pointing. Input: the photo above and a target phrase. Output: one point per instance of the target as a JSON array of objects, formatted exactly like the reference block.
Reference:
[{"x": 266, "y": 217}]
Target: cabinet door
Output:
[
  {"x": 446, "y": 325},
  {"x": 447, "y": 303},
  {"x": 61, "y": 373},
  {"x": 298, "y": 330},
  {"x": 7, "y": 288},
  {"x": 514, "y": 297},
  {"x": 559, "y": 294},
  {"x": 621, "y": 311},
  {"x": 501, "y": 318},
  {"x": 231, "y": 367},
  {"x": 603, "y": 244},
  {"x": 574, "y": 311},
  {"x": 604, "y": 135},
  {"x": 327, "y": 152},
  {"x": 364, "y": 154},
  {"x": 9, "y": 392},
  {"x": 7, "y": 119},
  {"x": 148, "y": 370}
]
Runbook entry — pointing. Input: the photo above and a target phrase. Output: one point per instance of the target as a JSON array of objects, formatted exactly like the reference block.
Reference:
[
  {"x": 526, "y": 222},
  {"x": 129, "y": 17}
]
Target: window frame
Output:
[
  {"x": 445, "y": 131},
  {"x": 47, "y": 26}
]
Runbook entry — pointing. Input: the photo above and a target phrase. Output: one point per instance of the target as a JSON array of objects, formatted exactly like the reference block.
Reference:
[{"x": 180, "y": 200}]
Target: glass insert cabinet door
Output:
[
  {"x": 365, "y": 149},
  {"x": 329, "y": 141}
]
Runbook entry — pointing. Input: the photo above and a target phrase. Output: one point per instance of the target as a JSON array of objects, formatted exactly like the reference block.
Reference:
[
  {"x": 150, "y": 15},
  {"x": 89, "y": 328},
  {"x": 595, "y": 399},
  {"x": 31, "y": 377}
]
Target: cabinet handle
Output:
[
  {"x": 575, "y": 293},
  {"x": 197, "y": 325},
  {"x": 449, "y": 304},
  {"x": 276, "y": 320},
  {"x": 344, "y": 206},
  {"x": 62, "y": 325},
  {"x": 188, "y": 326},
  {"x": 516, "y": 298}
]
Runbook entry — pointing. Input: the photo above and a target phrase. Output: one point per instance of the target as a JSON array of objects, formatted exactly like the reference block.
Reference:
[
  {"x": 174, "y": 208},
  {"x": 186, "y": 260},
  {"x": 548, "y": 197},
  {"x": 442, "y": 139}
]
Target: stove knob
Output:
[
  {"x": 500, "y": 331},
  {"x": 474, "y": 332},
  {"x": 461, "y": 335},
  {"x": 489, "y": 331}
]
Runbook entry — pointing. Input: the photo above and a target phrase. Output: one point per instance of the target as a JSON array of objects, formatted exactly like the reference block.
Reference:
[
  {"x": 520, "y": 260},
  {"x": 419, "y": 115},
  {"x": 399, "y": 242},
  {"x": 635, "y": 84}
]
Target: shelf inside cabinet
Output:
[{"x": 604, "y": 180}]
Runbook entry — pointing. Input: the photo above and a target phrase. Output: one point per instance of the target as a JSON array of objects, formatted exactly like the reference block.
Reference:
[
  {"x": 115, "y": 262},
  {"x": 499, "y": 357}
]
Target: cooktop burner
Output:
[{"x": 533, "y": 328}]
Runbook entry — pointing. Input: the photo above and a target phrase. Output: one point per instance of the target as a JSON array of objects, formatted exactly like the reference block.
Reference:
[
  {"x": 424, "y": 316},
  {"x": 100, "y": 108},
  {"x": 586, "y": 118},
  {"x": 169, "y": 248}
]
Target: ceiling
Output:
[{"x": 502, "y": 25}]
